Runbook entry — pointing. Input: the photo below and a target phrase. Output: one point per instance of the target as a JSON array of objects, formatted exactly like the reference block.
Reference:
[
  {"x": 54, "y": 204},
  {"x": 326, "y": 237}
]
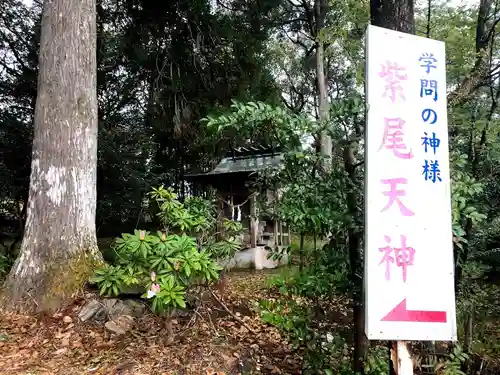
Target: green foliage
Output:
[
  {"x": 377, "y": 361},
  {"x": 311, "y": 204},
  {"x": 170, "y": 294},
  {"x": 5, "y": 265},
  {"x": 257, "y": 120},
  {"x": 111, "y": 279},
  {"x": 453, "y": 363},
  {"x": 465, "y": 189},
  {"x": 325, "y": 353},
  {"x": 454, "y": 25},
  {"x": 301, "y": 311},
  {"x": 326, "y": 275},
  {"x": 478, "y": 309},
  {"x": 152, "y": 96},
  {"x": 168, "y": 262},
  {"x": 294, "y": 318}
]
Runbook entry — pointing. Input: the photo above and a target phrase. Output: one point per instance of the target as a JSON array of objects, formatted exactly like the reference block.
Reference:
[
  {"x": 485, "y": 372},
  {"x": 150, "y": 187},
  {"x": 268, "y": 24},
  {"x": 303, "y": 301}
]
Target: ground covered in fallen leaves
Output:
[{"x": 205, "y": 343}]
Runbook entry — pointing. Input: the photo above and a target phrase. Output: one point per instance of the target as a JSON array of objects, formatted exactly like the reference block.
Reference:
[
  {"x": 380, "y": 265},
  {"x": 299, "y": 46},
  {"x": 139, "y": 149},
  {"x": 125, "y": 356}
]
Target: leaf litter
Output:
[{"x": 216, "y": 343}]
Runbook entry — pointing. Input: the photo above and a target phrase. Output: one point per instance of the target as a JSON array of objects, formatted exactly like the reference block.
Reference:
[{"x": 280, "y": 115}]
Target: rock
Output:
[
  {"x": 245, "y": 365},
  {"x": 110, "y": 308},
  {"x": 116, "y": 307},
  {"x": 120, "y": 325},
  {"x": 137, "y": 309},
  {"x": 136, "y": 290},
  {"x": 256, "y": 257},
  {"x": 92, "y": 310},
  {"x": 67, "y": 319},
  {"x": 125, "y": 321}
]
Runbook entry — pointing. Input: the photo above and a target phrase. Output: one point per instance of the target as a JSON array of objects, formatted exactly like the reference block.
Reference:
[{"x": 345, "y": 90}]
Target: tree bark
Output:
[
  {"x": 354, "y": 241},
  {"x": 320, "y": 10},
  {"x": 396, "y": 15},
  {"x": 59, "y": 249}
]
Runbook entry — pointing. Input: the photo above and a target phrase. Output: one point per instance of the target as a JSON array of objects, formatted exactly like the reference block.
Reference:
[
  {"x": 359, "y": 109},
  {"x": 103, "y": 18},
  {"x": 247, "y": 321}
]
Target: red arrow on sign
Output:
[{"x": 401, "y": 314}]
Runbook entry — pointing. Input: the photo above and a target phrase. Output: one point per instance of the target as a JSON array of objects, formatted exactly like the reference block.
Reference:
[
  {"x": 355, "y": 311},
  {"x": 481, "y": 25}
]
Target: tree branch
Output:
[
  {"x": 310, "y": 18},
  {"x": 481, "y": 69},
  {"x": 14, "y": 51},
  {"x": 231, "y": 313}
]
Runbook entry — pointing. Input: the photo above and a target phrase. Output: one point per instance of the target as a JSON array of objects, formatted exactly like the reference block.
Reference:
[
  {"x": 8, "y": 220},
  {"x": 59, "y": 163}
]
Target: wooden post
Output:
[
  {"x": 401, "y": 358},
  {"x": 276, "y": 222},
  {"x": 231, "y": 206},
  {"x": 254, "y": 220},
  {"x": 220, "y": 216},
  {"x": 281, "y": 233},
  {"x": 275, "y": 233}
]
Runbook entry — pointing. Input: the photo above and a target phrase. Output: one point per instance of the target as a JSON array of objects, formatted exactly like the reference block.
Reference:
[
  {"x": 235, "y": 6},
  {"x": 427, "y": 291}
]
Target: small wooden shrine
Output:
[{"x": 232, "y": 179}]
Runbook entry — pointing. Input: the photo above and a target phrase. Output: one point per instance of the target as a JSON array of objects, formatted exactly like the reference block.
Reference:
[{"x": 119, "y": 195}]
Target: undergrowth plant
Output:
[
  {"x": 5, "y": 265},
  {"x": 301, "y": 311},
  {"x": 185, "y": 251}
]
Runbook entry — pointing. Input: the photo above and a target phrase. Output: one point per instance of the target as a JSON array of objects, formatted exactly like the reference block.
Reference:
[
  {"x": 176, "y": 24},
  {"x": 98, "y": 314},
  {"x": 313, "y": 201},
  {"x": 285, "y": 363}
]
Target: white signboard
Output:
[{"x": 408, "y": 240}]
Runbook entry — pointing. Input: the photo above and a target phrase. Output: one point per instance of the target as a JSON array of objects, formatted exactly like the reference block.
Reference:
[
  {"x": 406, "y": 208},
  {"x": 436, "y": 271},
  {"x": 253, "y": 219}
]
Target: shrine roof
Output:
[{"x": 245, "y": 159}]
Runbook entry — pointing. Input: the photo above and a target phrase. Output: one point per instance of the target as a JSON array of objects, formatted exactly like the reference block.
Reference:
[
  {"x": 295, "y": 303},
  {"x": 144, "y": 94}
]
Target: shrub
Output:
[{"x": 165, "y": 264}]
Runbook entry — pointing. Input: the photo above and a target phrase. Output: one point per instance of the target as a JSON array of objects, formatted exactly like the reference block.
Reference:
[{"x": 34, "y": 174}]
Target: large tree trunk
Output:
[
  {"x": 59, "y": 248},
  {"x": 320, "y": 10},
  {"x": 393, "y": 14}
]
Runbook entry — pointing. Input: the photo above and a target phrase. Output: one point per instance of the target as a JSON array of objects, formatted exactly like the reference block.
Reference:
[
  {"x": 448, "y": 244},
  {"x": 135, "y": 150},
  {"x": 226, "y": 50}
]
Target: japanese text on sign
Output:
[{"x": 408, "y": 238}]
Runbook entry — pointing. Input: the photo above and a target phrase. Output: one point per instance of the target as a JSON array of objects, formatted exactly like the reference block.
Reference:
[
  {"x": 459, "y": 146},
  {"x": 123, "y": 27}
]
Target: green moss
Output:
[
  {"x": 65, "y": 280},
  {"x": 56, "y": 286}
]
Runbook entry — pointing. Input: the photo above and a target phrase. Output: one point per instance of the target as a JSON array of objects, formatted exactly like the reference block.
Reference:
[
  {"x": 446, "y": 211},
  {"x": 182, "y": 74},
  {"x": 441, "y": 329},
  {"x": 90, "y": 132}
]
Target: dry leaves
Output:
[{"x": 61, "y": 344}]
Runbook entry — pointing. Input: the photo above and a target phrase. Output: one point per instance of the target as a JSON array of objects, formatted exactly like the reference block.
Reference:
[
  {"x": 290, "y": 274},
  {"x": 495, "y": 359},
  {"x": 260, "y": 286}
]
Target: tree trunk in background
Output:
[
  {"x": 320, "y": 10},
  {"x": 354, "y": 243},
  {"x": 481, "y": 69},
  {"x": 395, "y": 15},
  {"x": 59, "y": 249},
  {"x": 461, "y": 93}
]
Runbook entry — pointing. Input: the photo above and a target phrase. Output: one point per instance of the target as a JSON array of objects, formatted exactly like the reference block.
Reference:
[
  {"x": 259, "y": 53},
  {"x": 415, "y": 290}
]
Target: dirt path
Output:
[{"x": 60, "y": 344}]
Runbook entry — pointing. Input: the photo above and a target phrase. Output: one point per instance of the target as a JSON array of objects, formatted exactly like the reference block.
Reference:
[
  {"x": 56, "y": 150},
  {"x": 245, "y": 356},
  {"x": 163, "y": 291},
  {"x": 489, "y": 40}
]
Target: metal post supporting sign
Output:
[{"x": 409, "y": 283}]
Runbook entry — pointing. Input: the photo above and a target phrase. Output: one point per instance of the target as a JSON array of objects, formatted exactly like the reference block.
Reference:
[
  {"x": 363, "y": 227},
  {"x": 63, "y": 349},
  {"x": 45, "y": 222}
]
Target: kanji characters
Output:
[
  {"x": 395, "y": 251},
  {"x": 427, "y": 61},
  {"x": 430, "y": 142},
  {"x": 393, "y": 138},
  {"x": 431, "y": 171},
  {"x": 393, "y": 75},
  {"x": 402, "y": 256},
  {"x": 428, "y": 87},
  {"x": 394, "y": 195}
]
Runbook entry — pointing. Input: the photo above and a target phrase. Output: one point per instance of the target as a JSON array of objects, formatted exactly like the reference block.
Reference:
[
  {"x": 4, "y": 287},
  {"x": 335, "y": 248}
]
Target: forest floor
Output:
[{"x": 210, "y": 343}]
